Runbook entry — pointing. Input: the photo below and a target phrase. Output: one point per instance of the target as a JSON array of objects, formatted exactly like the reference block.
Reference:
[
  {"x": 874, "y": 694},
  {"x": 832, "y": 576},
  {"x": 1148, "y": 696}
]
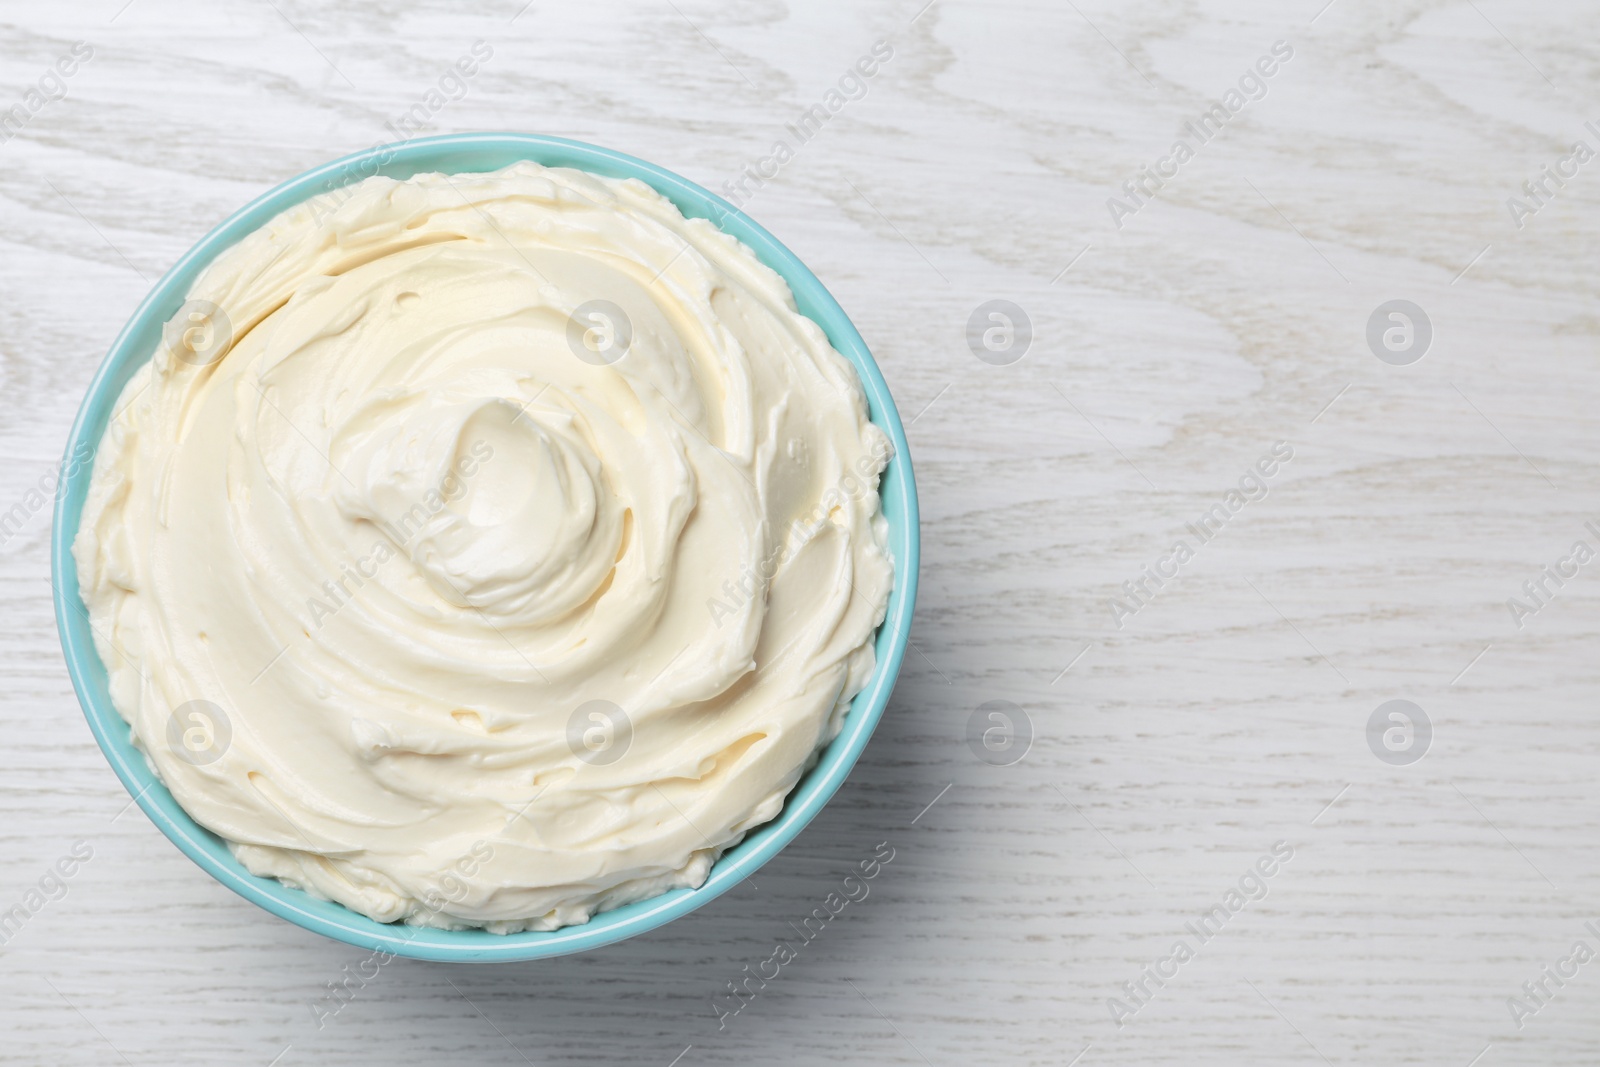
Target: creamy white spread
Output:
[{"x": 487, "y": 549}]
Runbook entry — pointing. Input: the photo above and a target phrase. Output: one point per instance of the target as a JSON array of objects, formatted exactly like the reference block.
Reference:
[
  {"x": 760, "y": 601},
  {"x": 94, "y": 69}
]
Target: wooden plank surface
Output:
[{"x": 1229, "y": 312}]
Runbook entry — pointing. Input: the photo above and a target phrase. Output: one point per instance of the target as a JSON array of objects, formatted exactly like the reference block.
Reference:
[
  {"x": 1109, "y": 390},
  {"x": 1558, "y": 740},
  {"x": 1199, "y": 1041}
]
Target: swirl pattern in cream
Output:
[{"x": 487, "y": 549}]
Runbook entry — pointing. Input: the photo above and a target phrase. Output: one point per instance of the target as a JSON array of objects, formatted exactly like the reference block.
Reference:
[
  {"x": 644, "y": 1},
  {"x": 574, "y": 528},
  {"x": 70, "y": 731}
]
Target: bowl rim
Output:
[{"x": 134, "y": 346}]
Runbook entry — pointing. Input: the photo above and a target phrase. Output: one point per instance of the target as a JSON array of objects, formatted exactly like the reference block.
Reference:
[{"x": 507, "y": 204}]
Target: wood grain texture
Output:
[{"x": 1228, "y": 314}]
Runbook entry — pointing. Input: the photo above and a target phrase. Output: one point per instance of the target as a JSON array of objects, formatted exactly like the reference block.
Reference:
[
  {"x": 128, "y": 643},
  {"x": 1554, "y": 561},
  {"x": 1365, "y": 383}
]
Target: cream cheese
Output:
[{"x": 487, "y": 549}]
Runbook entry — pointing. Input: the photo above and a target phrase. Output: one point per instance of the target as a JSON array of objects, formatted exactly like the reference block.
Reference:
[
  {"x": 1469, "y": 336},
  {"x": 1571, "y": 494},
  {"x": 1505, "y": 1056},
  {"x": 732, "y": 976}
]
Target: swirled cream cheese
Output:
[{"x": 487, "y": 549}]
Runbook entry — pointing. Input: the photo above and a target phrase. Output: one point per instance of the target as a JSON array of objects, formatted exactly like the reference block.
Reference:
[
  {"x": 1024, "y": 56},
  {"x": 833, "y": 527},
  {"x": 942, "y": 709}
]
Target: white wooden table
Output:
[{"x": 1228, "y": 713}]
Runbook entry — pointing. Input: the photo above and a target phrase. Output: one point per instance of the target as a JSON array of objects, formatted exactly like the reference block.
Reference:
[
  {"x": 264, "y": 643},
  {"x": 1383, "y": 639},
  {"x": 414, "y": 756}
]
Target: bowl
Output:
[{"x": 135, "y": 345}]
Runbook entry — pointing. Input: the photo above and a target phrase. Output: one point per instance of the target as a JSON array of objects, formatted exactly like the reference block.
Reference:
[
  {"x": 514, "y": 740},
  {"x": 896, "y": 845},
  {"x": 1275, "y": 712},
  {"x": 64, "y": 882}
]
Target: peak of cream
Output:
[{"x": 518, "y": 540}]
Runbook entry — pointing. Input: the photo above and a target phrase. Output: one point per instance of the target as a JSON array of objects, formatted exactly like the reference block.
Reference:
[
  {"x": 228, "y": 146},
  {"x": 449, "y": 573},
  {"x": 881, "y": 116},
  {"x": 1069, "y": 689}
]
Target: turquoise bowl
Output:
[{"x": 460, "y": 154}]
